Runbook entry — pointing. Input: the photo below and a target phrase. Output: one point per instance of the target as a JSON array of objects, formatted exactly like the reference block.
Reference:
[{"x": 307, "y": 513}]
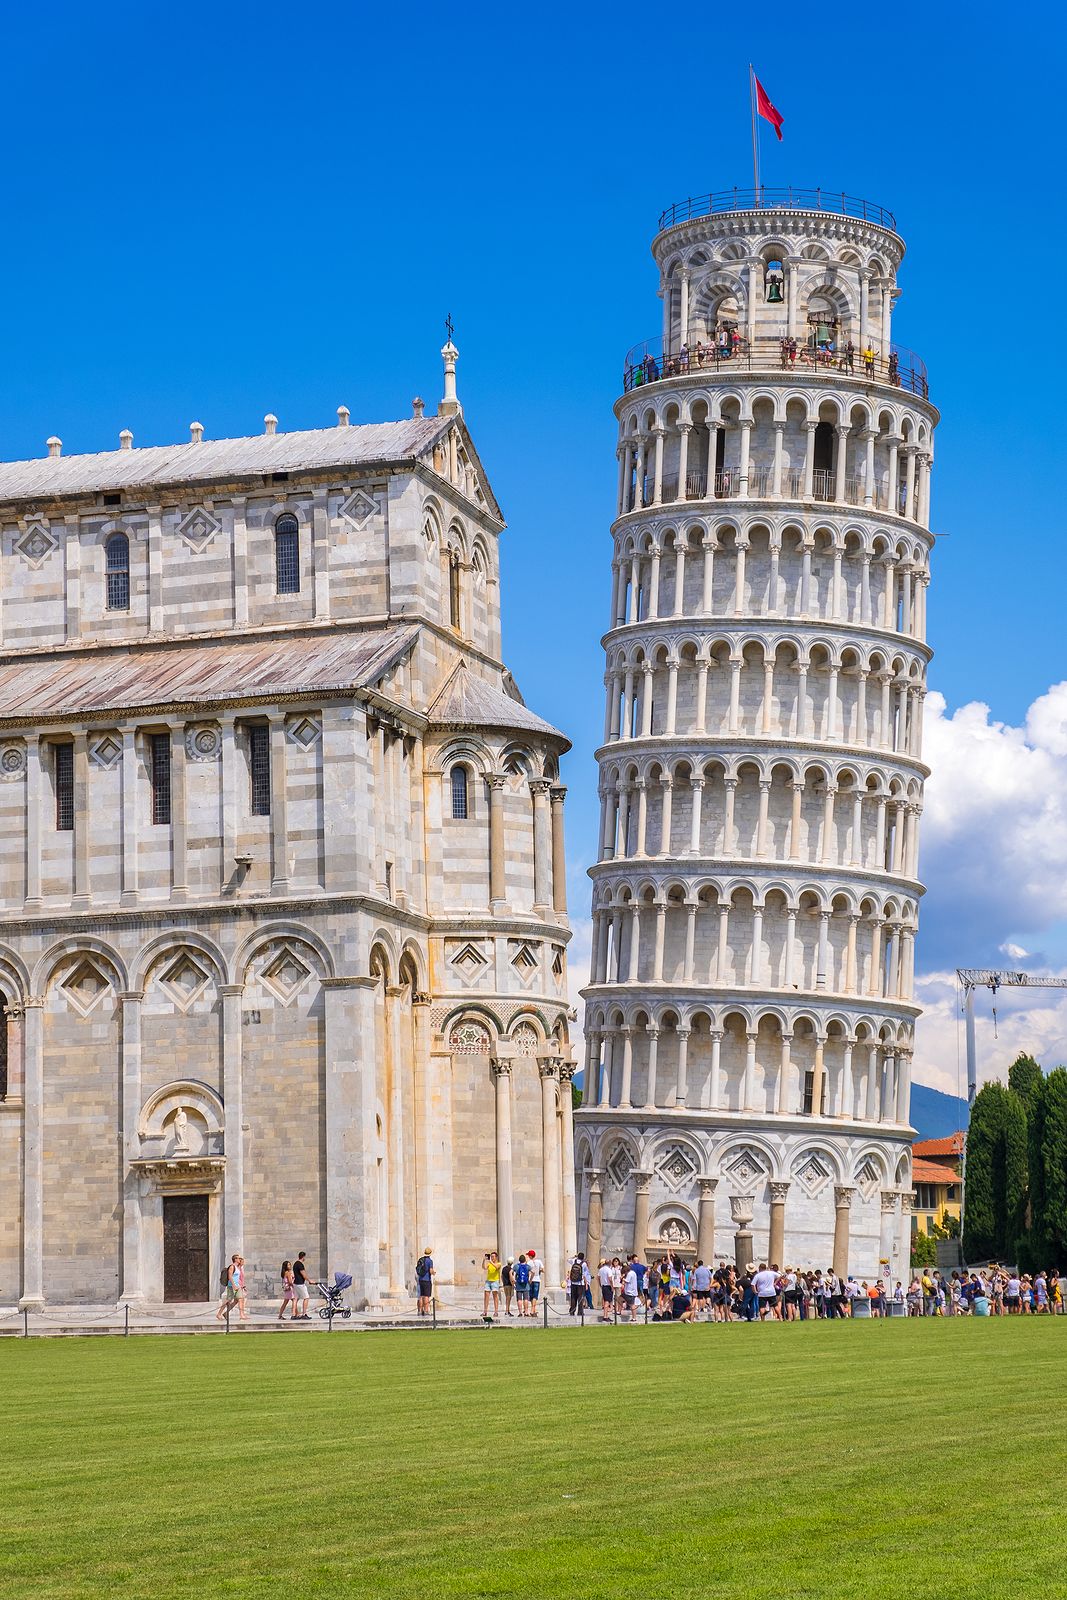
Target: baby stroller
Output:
[{"x": 332, "y": 1293}]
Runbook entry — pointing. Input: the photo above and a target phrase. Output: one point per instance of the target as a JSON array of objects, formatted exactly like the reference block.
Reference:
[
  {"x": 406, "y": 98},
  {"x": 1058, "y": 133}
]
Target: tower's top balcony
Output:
[
  {"x": 724, "y": 350},
  {"x": 765, "y": 199}
]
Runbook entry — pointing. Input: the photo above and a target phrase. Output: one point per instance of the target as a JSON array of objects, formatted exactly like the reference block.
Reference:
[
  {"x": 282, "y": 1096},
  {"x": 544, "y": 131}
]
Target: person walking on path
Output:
[
  {"x": 288, "y": 1292},
  {"x": 425, "y": 1274},
  {"x": 231, "y": 1287},
  {"x": 303, "y": 1291},
  {"x": 492, "y": 1269}
]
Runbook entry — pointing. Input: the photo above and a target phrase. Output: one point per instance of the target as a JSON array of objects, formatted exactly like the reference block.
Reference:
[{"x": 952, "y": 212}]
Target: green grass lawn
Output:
[{"x": 810, "y": 1459}]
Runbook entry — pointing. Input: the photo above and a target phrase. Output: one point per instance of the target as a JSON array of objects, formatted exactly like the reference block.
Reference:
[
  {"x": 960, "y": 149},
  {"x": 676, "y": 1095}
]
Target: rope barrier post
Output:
[
  {"x": 126, "y": 1333},
  {"x": 433, "y": 1308},
  {"x": 25, "y": 1322},
  {"x": 544, "y": 1302},
  {"x": 581, "y": 1311},
  {"x": 227, "y": 1317}
]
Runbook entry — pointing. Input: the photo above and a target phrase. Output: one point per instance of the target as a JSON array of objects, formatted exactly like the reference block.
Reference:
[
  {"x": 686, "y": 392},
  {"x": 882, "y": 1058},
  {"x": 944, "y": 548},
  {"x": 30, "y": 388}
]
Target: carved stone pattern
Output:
[
  {"x": 525, "y": 1039},
  {"x": 811, "y": 1174},
  {"x": 779, "y": 1193},
  {"x": 676, "y": 1166},
  {"x": 35, "y": 545},
  {"x": 843, "y": 1196},
  {"x": 203, "y": 742},
  {"x": 105, "y": 751},
  {"x": 303, "y": 730},
  {"x": 619, "y": 1165},
  {"x": 469, "y": 1039},
  {"x": 358, "y": 509},
  {"x": 12, "y": 762},
  {"x": 674, "y": 1230},
  {"x": 889, "y": 1200}
]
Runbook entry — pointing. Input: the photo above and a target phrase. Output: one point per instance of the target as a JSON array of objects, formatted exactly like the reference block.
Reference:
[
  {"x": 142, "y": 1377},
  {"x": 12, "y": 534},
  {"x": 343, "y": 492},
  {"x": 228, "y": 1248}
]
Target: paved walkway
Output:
[{"x": 59, "y": 1321}]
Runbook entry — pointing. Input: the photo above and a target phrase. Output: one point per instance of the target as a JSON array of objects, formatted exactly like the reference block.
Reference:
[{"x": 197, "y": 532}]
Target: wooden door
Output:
[{"x": 185, "y": 1248}]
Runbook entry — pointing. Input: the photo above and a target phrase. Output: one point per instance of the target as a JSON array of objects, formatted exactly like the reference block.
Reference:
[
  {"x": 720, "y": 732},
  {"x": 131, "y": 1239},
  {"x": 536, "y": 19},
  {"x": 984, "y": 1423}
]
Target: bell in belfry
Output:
[{"x": 774, "y": 289}]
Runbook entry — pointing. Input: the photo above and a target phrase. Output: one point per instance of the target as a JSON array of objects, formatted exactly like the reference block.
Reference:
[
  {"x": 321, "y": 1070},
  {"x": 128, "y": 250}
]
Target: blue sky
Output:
[{"x": 216, "y": 214}]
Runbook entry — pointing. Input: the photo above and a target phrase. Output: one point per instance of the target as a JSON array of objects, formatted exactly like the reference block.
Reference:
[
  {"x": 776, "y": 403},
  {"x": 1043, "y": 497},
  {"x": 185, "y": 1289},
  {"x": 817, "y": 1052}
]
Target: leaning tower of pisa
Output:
[{"x": 750, "y": 1011}]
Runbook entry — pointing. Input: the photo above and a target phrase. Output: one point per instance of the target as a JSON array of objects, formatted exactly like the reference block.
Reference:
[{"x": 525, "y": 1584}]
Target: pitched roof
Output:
[
  {"x": 932, "y": 1172},
  {"x": 464, "y": 701},
  {"x": 204, "y": 673},
  {"x": 952, "y": 1146},
  {"x": 219, "y": 460}
]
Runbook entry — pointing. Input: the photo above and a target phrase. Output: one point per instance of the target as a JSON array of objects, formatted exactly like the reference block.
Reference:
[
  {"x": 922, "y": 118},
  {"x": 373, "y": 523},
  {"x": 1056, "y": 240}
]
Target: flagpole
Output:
[{"x": 755, "y": 135}]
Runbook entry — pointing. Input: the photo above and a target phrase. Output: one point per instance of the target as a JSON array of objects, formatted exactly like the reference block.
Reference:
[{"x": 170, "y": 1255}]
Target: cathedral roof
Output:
[
  {"x": 220, "y": 460},
  {"x": 201, "y": 674},
  {"x": 464, "y": 701}
]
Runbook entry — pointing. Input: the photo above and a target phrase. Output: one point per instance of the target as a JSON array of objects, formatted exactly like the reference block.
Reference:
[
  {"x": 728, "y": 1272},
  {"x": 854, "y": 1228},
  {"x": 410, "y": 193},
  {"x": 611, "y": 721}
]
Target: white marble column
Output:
[
  {"x": 552, "y": 1177},
  {"x": 32, "y": 1297}
]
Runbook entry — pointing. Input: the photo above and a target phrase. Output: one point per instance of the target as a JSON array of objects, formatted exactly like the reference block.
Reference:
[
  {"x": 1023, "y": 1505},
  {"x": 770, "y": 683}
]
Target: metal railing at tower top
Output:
[
  {"x": 647, "y": 363},
  {"x": 764, "y": 199}
]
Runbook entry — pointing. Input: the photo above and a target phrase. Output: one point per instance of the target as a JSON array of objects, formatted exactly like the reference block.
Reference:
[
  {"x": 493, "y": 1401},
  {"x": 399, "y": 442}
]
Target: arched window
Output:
[
  {"x": 117, "y": 561},
  {"x": 287, "y": 555},
  {"x": 460, "y": 794}
]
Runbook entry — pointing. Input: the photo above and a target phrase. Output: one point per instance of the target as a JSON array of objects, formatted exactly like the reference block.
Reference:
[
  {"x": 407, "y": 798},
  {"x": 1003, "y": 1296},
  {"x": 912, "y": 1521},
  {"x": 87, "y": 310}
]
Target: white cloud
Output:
[{"x": 1033, "y": 1021}]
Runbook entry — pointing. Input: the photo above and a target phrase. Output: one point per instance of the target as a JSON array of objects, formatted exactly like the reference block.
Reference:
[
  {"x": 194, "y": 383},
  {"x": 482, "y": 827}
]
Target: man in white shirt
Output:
[
  {"x": 764, "y": 1286},
  {"x": 607, "y": 1290},
  {"x": 629, "y": 1292}
]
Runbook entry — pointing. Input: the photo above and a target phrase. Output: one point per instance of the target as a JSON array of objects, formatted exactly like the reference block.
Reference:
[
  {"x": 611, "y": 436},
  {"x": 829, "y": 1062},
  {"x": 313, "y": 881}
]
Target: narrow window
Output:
[
  {"x": 460, "y": 794},
  {"x": 287, "y": 555},
  {"x": 3, "y": 1048},
  {"x": 453, "y": 590},
  {"x": 161, "y": 778},
  {"x": 259, "y": 768},
  {"x": 64, "y": 759},
  {"x": 388, "y": 880},
  {"x": 117, "y": 561}
]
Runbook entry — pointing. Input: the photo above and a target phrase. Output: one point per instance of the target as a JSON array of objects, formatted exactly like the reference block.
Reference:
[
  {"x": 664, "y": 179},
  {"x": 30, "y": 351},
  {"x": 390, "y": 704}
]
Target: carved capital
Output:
[
  {"x": 843, "y": 1196},
  {"x": 889, "y": 1200},
  {"x": 642, "y": 1181},
  {"x": 707, "y": 1187},
  {"x": 779, "y": 1193}
]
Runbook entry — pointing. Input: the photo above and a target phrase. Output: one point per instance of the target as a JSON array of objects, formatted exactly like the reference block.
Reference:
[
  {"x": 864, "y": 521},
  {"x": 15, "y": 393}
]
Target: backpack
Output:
[
  {"x": 576, "y": 1274},
  {"x": 224, "y": 1277},
  {"x": 422, "y": 1267}
]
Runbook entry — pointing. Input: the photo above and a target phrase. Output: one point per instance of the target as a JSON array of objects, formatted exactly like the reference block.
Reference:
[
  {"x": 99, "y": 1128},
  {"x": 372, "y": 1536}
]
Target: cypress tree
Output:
[
  {"x": 1012, "y": 1217},
  {"x": 1037, "y": 1243},
  {"x": 1054, "y": 1165},
  {"x": 983, "y": 1137},
  {"x": 1025, "y": 1078}
]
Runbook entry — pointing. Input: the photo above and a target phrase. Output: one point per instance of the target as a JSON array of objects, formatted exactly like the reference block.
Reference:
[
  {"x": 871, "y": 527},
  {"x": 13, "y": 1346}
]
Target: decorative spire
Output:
[{"x": 450, "y": 406}]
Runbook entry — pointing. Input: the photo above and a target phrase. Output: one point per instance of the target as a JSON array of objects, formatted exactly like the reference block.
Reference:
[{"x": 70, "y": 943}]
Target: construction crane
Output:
[{"x": 972, "y": 978}]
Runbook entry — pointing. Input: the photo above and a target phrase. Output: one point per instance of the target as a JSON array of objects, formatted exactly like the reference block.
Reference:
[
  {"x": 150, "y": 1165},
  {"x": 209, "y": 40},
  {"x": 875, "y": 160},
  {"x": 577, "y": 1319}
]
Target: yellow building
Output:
[{"x": 937, "y": 1178}]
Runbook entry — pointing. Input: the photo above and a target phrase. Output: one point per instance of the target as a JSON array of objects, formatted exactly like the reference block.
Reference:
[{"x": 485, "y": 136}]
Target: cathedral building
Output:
[
  {"x": 282, "y": 903},
  {"x": 750, "y": 1011}
]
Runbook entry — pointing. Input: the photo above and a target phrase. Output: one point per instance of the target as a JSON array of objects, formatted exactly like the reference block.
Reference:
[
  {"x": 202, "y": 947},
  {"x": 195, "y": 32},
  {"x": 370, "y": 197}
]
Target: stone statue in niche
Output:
[
  {"x": 181, "y": 1132},
  {"x": 675, "y": 1232}
]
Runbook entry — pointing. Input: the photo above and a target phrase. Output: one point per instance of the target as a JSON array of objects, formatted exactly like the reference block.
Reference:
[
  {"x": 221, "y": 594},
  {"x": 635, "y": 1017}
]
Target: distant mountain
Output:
[{"x": 936, "y": 1115}]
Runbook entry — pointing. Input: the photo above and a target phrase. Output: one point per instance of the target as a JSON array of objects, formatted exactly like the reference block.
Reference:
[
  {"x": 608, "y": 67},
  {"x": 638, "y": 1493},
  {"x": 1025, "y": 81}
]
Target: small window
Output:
[
  {"x": 259, "y": 768},
  {"x": 388, "y": 880},
  {"x": 287, "y": 554},
  {"x": 460, "y": 794},
  {"x": 453, "y": 590},
  {"x": 64, "y": 772},
  {"x": 117, "y": 561},
  {"x": 161, "y": 778}
]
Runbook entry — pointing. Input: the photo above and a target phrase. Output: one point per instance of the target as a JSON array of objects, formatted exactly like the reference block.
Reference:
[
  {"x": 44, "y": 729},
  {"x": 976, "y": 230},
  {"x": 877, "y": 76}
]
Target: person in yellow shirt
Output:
[{"x": 491, "y": 1268}]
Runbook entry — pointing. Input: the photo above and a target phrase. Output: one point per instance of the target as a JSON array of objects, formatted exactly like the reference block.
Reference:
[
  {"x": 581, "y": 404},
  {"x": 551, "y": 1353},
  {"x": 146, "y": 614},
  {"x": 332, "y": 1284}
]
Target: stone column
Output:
[
  {"x": 233, "y": 1208},
  {"x": 776, "y": 1246},
  {"x": 557, "y": 795},
  {"x": 642, "y": 1185},
  {"x": 33, "y": 822},
  {"x": 741, "y": 1208},
  {"x": 594, "y": 1225},
  {"x": 566, "y": 1106},
  {"x": 681, "y": 1089},
  {"x": 132, "y": 1285},
  {"x": 496, "y": 841},
  {"x": 713, "y": 1093},
  {"x": 653, "y": 1058},
  {"x": 179, "y": 817},
  {"x": 349, "y": 1131},
  {"x": 785, "y": 1069},
  {"x": 887, "y": 1242},
  {"x": 279, "y": 807},
  {"x": 842, "y": 1205},
  {"x": 549, "y": 1072},
  {"x": 539, "y": 789},
  {"x": 706, "y": 1219},
  {"x": 32, "y": 1298},
  {"x": 504, "y": 1198},
  {"x": 82, "y": 822}
]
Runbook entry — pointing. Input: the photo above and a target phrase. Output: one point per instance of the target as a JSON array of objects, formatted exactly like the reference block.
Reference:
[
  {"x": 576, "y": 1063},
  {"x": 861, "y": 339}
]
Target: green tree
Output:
[
  {"x": 1037, "y": 1230},
  {"x": 1013, "y": 1204},
  {"x": 983, "y": 1139},
  {"x": 1025, "y": 1079},
  {"x": 923, "y": 1250},
  {"x": 1053, "y": 1160}
]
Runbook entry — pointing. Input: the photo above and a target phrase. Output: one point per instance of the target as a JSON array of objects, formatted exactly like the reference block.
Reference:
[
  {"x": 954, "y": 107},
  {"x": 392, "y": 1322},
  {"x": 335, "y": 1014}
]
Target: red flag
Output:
[{"x": 765, "y": 109}]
